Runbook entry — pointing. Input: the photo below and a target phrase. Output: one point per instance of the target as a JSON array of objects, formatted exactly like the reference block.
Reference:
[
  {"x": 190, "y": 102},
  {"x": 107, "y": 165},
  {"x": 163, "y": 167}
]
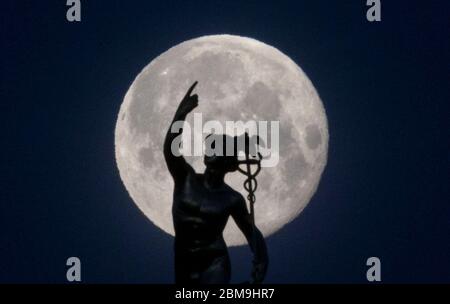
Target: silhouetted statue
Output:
[{"x": 202, "y": 204}]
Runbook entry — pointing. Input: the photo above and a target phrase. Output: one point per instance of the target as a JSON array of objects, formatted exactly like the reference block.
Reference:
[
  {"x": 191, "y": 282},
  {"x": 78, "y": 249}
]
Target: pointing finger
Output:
[{"x": 191, "y": 88}]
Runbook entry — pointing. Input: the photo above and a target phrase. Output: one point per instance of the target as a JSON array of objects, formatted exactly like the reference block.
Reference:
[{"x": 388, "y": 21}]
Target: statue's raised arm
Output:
[{"x": 177, "y": 165}]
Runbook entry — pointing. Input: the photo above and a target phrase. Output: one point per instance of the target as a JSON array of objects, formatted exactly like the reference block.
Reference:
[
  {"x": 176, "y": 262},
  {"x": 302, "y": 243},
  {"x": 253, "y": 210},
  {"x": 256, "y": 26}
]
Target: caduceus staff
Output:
[{"x": 252, "y": 158}]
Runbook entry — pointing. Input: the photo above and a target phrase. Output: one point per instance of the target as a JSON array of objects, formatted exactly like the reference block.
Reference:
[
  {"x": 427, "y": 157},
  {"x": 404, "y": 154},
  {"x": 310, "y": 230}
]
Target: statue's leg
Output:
[
  {"x": 218, "y": 272},
  {"x": 185, "y": 270},
  {"x": 185, "y": 274}
]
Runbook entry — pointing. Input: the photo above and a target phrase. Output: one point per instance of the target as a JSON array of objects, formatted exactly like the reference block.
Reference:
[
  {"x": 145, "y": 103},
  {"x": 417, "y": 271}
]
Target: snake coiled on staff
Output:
[{"x": 251, "y": 184}]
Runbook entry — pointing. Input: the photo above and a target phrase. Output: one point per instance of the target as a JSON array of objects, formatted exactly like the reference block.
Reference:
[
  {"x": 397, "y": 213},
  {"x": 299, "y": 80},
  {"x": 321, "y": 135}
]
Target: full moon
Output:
[{"x": 239, "y": 79}]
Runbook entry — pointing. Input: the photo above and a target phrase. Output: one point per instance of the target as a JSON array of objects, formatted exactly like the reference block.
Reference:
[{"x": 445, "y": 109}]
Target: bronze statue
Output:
[{"x": 202, "y": 204}]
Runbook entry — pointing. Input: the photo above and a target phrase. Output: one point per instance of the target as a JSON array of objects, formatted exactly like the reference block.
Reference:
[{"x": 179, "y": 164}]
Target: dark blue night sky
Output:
[{"x": 385, "y": 87}]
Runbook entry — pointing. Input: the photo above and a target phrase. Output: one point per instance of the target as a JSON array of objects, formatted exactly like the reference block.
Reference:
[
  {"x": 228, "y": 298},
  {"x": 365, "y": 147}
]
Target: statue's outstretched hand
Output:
[{"x": 189, "y": 102}]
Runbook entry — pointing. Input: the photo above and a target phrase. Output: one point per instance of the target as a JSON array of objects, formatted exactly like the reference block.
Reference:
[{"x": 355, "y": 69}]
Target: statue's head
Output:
[{"x": 221, "y": 153}]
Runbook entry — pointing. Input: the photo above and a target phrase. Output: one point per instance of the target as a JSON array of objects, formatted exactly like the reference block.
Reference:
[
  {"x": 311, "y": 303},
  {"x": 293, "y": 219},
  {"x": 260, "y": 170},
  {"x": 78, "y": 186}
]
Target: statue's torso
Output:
[{"x": 200, "y": 215}]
